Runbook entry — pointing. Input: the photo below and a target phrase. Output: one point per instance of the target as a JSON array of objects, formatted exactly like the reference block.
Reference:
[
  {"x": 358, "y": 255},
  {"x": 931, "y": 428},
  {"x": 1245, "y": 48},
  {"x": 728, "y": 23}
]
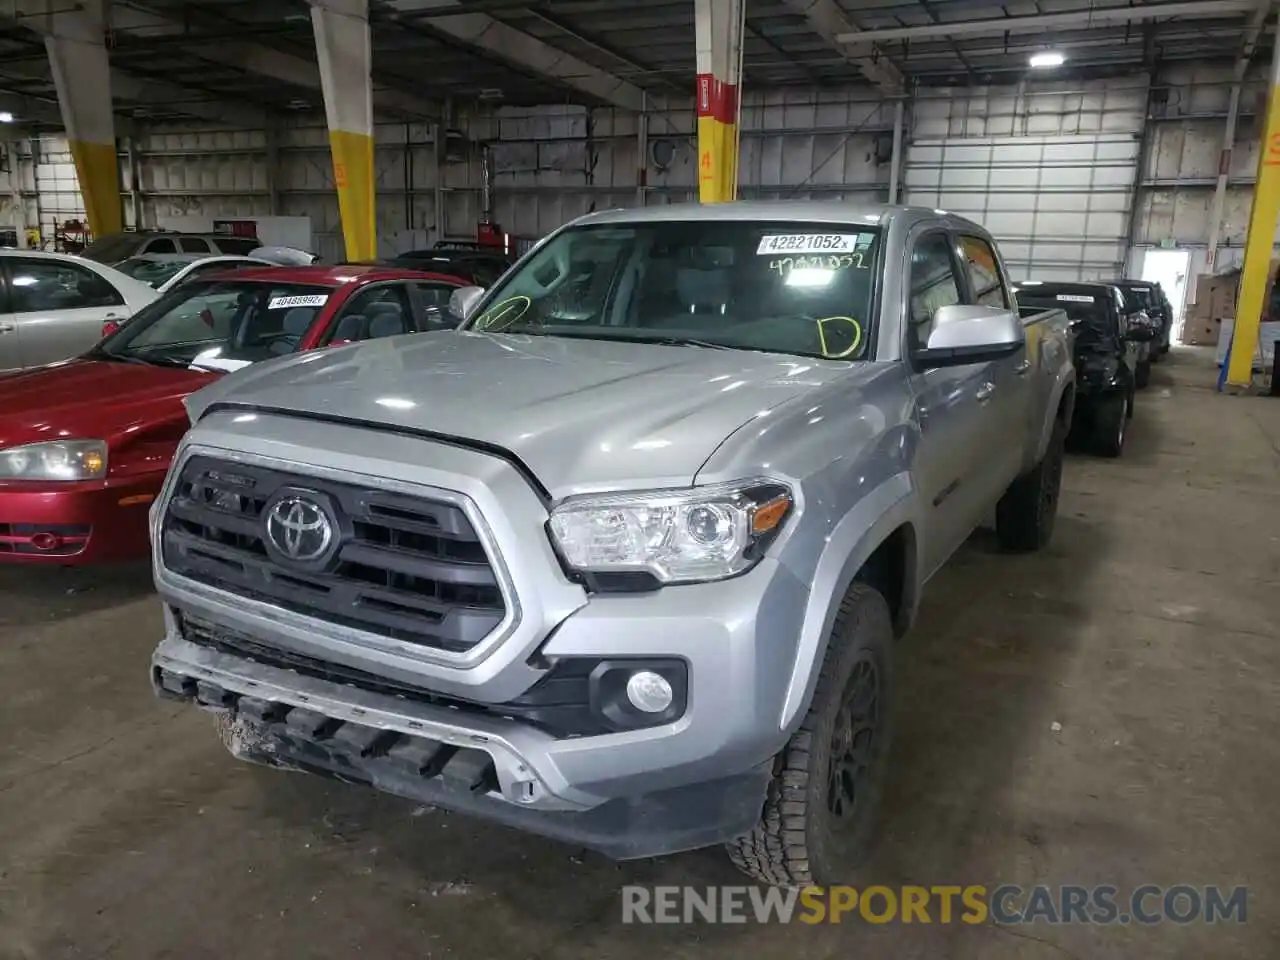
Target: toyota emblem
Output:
[{"x": 299, "y": 528}]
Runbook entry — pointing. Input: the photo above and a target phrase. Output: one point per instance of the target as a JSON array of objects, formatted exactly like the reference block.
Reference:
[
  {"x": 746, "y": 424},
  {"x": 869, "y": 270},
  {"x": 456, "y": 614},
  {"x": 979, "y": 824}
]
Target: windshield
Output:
[
  {"x": 152, "y": 272},
  {"x": 798, "y": 288},
  {"x": 112, "y": 248},
  {"x": 219, "y": 324}
]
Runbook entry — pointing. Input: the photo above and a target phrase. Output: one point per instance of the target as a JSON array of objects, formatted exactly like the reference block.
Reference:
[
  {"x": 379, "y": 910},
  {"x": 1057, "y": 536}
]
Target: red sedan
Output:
[{"x": 85, "y": 444}]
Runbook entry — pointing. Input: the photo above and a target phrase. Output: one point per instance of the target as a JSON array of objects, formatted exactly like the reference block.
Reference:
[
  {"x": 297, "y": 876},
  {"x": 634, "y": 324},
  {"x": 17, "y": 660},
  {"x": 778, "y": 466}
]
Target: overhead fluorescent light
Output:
[
  {"x": 1050, "y": 58},
  {"x": 6, "y": 116}
]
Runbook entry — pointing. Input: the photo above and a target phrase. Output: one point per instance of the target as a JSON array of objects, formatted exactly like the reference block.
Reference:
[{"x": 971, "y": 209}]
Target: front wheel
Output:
[
  {"x": 1026, "y": 513},
  {"x": 820, "y": 812}
]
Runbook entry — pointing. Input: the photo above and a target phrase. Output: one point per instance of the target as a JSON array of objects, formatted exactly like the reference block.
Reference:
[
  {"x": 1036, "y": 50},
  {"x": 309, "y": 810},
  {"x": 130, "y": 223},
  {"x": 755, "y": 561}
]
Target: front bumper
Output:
[
  {"x": 475, "y": 769},
  {"x": 691, "y": 782},
  {"x": 76, "y": 524}
]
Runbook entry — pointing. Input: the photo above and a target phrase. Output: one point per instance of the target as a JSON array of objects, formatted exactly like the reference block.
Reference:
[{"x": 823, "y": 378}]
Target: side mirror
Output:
[
  {"x": 463, "y": 300},
  {"x": 965, "y": 334},
  {"x": 1141, "y": 329}
]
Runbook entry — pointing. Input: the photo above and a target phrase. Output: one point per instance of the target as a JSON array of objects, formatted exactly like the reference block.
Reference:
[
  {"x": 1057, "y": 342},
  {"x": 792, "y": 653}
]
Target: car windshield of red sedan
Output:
[{"x": 219, "y": 324}]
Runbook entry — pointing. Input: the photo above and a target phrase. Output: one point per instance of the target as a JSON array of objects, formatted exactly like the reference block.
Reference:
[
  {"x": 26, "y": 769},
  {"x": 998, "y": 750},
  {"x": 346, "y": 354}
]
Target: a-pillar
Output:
[
  {"x": 719, "y": 26},
  {"x": 1254, "y": 280},
  {"x": 76, "y": 42},
  {"x": 343, "y": 51}
]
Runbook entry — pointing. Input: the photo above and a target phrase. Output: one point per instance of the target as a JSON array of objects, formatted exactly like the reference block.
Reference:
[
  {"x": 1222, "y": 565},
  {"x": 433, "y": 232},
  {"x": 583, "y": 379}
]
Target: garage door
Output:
[{"x": 1059, "y": 205}]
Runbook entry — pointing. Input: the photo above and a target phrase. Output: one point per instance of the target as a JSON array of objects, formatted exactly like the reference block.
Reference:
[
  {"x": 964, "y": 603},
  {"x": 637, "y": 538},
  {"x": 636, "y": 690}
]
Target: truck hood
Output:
[
  {"x": 90, "y": 399},
  {"x": 582, "y": 415}
]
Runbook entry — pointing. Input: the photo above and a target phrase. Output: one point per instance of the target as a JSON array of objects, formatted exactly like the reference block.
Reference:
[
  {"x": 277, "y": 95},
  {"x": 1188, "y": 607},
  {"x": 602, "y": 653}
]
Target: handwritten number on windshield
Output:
[{"x": 833, "y": 262}]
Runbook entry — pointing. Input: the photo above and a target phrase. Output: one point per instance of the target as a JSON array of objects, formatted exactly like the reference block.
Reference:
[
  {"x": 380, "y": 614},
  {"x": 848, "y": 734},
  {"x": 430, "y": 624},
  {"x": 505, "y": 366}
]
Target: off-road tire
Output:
[
  {"x": 1109, "y": 422},
  {"x": 1142, "y": 375},
  {"x": 1026, "y": 513},
  {"x": 799, "y": 840}
]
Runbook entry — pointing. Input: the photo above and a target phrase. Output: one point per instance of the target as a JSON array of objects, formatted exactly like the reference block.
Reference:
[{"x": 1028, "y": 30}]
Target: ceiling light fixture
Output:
[
  {"x": 6, "y": 116},
  {"x": 1046, "y": 60}
]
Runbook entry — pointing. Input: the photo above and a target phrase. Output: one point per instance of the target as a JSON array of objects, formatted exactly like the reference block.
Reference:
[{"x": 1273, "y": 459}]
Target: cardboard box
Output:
[{"x": 1201, "y": 333}]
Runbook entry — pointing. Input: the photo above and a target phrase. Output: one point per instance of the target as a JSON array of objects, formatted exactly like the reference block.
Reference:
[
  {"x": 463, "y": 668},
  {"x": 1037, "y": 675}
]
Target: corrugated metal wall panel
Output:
[{"x": 1051, "y": 173}]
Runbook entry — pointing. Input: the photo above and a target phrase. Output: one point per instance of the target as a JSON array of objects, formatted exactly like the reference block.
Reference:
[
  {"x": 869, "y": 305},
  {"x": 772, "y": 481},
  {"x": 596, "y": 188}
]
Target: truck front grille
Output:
[{"x": 404, "y": 567}]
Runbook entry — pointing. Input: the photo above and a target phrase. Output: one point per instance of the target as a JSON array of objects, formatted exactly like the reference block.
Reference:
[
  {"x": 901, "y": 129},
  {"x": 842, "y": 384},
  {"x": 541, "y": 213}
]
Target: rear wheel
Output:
[
  {"x": 1142, "y": 375},
  {"x": 820, "y": 812},
  {"x": 1109, "y": 423},
  {"x": 1026, "y": 513}
]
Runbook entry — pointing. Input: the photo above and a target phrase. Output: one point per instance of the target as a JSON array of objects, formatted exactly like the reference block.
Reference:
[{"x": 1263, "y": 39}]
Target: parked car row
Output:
[
  {"x": 1118, "y": 329},
  {"x": 85, "y": 443}
]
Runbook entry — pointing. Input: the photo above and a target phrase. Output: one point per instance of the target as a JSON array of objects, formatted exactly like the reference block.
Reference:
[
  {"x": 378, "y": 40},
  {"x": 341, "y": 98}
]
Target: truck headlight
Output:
[
  {"x": 677, "y": 536},
  {"x": 55, "y": 460}
]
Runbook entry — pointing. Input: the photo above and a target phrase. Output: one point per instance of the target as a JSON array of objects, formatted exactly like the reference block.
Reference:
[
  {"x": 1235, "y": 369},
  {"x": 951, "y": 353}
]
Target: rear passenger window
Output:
[
  {"x": 933, "y": 284},
  {"x": 164, "y": 245},
  {"x": 193, "y": 245},
  {"x": 984, "y": 273}
]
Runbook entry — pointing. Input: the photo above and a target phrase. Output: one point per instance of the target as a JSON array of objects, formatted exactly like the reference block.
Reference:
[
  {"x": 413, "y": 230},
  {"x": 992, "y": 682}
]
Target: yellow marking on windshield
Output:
[
  {"x": 509, "y": 310},
  {"x": 822, "y": 336}
]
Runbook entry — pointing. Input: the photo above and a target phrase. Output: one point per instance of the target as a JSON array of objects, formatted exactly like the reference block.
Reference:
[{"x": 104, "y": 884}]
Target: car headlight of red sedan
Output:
[{"x": 55, "y": 460}]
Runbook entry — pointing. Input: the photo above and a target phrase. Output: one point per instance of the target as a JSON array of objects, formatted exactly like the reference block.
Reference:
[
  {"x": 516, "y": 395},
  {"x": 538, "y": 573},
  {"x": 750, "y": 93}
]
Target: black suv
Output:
[
  {"x": 1151, "y": 298},
  {"x": 475, "y": 263},
  {"x": 1108, "y": 346}
]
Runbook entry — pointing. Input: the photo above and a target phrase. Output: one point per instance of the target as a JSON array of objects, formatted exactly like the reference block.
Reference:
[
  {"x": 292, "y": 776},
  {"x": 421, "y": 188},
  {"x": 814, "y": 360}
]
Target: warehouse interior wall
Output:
[{"x": 1075, "y": 179}]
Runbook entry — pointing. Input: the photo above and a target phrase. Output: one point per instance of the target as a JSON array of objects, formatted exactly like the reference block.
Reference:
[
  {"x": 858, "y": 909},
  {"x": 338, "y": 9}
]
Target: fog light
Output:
[{"x": 649, "y": 691}]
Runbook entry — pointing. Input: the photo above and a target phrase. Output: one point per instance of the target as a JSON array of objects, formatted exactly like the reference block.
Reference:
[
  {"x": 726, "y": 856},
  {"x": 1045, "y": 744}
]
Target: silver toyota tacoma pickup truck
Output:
[{"x": 623, "y": 561}]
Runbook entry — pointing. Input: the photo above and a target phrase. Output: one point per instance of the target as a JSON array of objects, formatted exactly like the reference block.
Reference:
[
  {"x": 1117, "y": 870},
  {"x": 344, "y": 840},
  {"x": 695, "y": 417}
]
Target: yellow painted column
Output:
[
  {"x": 718, "y": 34},
  {"x": 1254, "y": 279},
  {"x": 344, "y": 54},
  {"x": 74, "y": 40}
]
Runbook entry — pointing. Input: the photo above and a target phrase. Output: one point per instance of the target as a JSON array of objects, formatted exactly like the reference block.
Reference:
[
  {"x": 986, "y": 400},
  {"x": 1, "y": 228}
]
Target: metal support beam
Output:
[
  {"x": 345, "y": 55},
  {"x": 895, "y": 156},
  {"x": 526, "y": 51},
  {"x": 75, "y": 39},
  {"x": 642, "y": 158},
  {"x": 256, "y": 58},
  {"x": 827, "y": 19},
  {"x": 1247, "y": 48},
  {"x": 1093, "y": 17},
  {"x": 1262, "y": 234},
  {"x": 133, "y": 153},
  {"x": 719, "y": 26}
]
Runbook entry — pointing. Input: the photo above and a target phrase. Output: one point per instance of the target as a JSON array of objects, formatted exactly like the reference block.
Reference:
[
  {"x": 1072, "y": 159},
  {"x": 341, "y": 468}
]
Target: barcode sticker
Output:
[
  {"x": 807, "y": 243},
  {"x": 1074, "y": 298},
  {"x": 308, "y": 300}
]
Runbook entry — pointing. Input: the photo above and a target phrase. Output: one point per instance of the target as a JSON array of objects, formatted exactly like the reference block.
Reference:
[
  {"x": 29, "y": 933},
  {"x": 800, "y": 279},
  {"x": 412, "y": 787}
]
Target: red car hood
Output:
[{"x": 92, "y": 399}]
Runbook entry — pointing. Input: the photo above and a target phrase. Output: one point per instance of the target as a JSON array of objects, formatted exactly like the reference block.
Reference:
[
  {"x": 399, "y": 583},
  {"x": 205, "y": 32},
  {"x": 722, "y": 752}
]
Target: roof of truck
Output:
[{"x": 814, "y": 211}]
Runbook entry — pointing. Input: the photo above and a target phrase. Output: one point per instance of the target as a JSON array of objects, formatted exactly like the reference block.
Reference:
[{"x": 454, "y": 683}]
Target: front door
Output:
[
  {"x": 58, "y": 307},
  {"x": 950, "y": 408}
]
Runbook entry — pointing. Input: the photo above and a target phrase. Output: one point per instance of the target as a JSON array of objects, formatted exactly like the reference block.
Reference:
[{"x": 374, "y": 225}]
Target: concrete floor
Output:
[{"x": 1148, "y": 631}]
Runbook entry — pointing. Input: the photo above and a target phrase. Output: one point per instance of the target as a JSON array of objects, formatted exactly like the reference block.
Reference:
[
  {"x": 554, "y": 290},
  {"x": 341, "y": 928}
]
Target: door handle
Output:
[
  {"x": 1022, "y": 367},
  {"x": 7, "y": 328},
  {"x": 984, "y": 392}
]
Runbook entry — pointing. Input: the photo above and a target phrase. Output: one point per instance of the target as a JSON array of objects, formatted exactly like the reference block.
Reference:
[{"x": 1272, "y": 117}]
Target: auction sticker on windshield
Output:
[
  {"x": 807, "y": 243},
  {"x": 1074, "y": 298},
  {"x": 306, "y": 300}
]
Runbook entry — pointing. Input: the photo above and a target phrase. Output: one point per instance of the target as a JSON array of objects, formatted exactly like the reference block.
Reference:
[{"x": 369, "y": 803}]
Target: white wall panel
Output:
[{"x": 1049, "y": 172}]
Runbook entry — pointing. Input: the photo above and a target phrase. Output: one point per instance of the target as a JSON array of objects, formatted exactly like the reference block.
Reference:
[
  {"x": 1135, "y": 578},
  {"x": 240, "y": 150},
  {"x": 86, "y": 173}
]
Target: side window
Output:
[
  {"x": 434, "y": 299},
  {"x": 933, "y": 284},
  {"x": 163, "y": 245},
  {"x": 376, "y": 311},
  {"x": 40, "y": 285},
  {"x": 984, "y": 273},
  {"x": 193, "y": 245}
]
